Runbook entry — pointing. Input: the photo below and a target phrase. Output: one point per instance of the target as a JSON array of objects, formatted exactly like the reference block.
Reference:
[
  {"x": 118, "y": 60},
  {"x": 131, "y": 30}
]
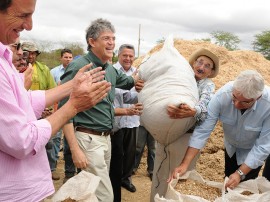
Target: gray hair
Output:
[
  {"x": 96, "y": 28},
  {"x": 250, "y": 84},
  {"x": 128, "y": 46}
]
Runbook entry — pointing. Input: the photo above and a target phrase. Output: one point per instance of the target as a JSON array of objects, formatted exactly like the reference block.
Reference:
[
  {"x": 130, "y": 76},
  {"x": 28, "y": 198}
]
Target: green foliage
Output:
[
  {"x": 51, "y": 56},
  {"x": 262, "y": 43},
  {"x": 226, "y": 39},
  {"x": 114, "y": 59},
  {"x": 204, "y": 39}
]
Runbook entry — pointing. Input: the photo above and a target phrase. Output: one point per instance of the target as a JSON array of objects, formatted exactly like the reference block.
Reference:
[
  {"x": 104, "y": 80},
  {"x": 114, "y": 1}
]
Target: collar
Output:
[
  {"x": 119, "y": 67},
  {"x": 61, "y": 67},
  {"x": 95, "y": 60}
]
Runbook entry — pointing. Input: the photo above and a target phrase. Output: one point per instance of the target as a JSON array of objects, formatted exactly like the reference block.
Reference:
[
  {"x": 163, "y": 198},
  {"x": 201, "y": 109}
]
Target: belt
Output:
[{"x": 94, "y": 132}]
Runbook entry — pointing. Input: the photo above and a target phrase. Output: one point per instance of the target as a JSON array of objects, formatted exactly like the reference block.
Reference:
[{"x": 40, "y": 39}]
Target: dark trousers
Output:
[
  {"x": 70, "y": 168},
  {"x": 145, "y": 138},
  {"x": 122, "y": 159},
  {"x": 231, "y": 166},
  {"x": 266, "y": 170}
]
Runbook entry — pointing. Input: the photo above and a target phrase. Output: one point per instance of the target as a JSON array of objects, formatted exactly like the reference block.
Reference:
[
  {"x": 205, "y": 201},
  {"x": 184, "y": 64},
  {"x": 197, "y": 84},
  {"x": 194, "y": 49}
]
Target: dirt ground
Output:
[
  {"x": 210, "y": 165},
  {"x": 140, "y": 180},
  {"x": 211, "y": 162}
]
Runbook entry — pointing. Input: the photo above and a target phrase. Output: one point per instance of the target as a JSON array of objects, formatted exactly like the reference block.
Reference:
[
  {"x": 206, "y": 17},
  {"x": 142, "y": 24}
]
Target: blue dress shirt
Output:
[
  {"x": 247, "y": 135},
  {"x": 57, "y": 72}
]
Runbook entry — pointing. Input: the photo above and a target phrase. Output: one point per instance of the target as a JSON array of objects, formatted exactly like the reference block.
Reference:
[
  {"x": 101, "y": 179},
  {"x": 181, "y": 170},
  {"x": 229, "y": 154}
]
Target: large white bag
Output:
[
  {"x": 174, "y": 196},
  {"x": 81, "y": 188},
  {"x": 260, "y": 187},
  {"x": 169, "y": 79}
]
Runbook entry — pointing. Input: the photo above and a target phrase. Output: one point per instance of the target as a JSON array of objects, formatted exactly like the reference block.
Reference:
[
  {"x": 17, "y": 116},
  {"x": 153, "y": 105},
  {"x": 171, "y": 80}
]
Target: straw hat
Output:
[{"x": 212, "y": 56}]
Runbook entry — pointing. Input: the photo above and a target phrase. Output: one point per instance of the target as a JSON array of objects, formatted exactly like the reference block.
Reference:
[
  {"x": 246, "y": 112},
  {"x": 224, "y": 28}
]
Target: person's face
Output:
[
  {"x": 32, "y": 57},
  {"x": 126, "y": 58},
  {"x": 23, "y": 62},
  {"x": 240, "y": 102},
  {"x": 17, "y": 52},
  {"x": 103, "y": 46},
  {"x": 17, "y": 18},
  {"x": 203, "y": 67},
  {"x": 66, "y": 59}
]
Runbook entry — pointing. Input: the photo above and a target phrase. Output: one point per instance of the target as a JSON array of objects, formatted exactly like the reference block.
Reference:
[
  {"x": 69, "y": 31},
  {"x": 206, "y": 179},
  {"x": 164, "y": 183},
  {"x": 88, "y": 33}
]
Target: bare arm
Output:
[
  {"x": 86, "y": 92},
  {"x": 182, "y": 168},
  {"x": 235, "y": 178},
  {"x": 134, "y": 110}
]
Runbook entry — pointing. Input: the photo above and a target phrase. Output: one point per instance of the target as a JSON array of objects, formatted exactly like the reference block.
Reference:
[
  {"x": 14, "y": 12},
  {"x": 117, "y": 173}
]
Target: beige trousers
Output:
[
  {"x": 166, "y": 160},
  {"x": 98, "y": 152}
]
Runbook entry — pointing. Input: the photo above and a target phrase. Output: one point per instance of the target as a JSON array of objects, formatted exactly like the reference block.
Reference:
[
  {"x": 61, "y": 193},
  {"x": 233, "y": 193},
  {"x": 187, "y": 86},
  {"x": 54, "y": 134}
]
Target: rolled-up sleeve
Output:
[
  {"x": 203, "y": 131},
  {"x": 206, "y": 91}
]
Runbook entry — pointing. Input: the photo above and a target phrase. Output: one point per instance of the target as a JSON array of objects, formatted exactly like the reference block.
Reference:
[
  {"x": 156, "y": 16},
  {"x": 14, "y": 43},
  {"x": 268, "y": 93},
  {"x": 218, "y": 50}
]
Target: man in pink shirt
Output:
[{"x": 24, "y": 169}]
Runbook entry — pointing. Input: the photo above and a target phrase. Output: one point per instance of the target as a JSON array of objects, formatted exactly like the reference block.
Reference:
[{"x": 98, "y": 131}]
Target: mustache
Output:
[{"x": 200, "y": 71}]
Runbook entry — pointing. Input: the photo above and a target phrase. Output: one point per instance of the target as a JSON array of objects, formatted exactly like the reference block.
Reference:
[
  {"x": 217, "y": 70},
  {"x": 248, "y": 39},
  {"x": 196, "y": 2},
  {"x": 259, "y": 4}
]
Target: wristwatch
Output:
[{"x": 242, "y": 175}]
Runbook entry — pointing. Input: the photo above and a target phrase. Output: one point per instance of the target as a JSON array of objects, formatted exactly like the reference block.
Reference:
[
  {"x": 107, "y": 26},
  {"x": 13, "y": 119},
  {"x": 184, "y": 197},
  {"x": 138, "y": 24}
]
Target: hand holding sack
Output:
[{"x": 169, "y": 79}]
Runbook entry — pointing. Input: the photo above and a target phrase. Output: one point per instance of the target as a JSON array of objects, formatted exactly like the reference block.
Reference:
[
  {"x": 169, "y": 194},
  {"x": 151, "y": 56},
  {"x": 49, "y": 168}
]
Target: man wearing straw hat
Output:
[{"x": 205, "y": 65}]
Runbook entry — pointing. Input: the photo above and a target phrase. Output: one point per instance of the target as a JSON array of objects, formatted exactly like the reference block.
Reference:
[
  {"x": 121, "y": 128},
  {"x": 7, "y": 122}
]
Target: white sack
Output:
[
  {"x": 174, "y": 196},
  {"x": 81, "y": 188},
  {"x": 169, "y": 79},
  {"x": 260, "y": 187}
]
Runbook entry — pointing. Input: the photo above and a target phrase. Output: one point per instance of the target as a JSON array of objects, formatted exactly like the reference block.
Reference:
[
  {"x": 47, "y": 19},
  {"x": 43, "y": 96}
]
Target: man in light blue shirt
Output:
[
  {"x": 243, "y": 107},
  {"x": 66, "y": 58},
  {"x": 57, "y": 72}
]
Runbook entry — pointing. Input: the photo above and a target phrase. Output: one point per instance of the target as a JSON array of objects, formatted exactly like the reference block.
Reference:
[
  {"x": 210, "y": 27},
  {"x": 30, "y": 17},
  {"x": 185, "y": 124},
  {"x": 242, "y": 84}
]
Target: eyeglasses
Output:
[
  {"x": 244, "y": 103},
  {"x": 107, "y": 38},
  {"x": 199, "y": 63},
  {"x": 17, "y": 45}
]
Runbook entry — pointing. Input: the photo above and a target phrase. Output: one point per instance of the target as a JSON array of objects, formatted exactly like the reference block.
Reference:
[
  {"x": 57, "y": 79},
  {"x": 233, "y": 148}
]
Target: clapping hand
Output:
[{"x": 89, "y": 88}]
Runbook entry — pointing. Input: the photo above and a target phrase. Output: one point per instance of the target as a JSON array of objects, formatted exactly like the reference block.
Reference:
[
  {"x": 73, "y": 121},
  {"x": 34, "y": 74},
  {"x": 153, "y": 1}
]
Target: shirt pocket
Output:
[
  {"x": 228, "y": 124},
  {"x": 251, "y": 134}
]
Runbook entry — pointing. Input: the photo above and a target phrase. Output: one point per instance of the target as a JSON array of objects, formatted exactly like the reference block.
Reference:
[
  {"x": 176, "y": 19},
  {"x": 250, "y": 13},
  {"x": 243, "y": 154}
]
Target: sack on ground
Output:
[
  {"x": 257, "y": 190},
  {"x": 80, "y": 188},
  {"x": 169, "y": 79}
]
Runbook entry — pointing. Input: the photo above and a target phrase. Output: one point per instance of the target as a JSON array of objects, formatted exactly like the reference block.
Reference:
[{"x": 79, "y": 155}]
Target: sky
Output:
[{"x": 60, "y": 21}]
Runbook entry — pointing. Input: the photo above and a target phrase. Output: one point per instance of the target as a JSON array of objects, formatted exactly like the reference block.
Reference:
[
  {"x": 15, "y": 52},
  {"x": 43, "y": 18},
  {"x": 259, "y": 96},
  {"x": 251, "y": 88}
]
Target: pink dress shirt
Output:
[{"x": 24, "y": 168}]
